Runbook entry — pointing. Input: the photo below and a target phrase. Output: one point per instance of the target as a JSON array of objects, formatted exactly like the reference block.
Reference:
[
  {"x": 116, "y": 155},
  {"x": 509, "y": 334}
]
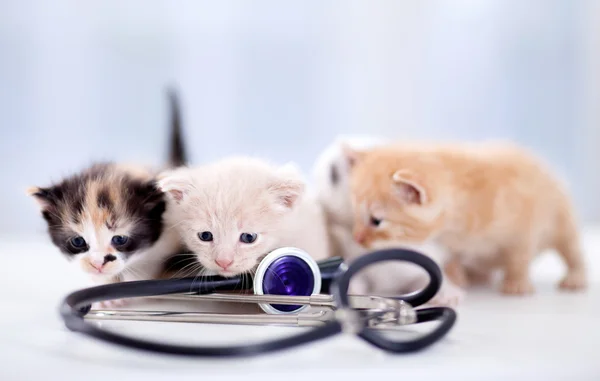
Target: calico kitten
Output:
[
  {"x": 108, "y": 219},
  {"x": 232, "y": 212},
  {"x": 492, "y": 205},
  {"x": 331, "y": 174}
]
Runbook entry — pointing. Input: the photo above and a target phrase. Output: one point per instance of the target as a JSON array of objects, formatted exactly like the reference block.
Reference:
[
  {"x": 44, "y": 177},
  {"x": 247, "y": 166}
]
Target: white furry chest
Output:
[
  {"x": 305, "y": 229},
  {"x": 394, "y": 277},
  {"x": 472, "y": 248},
  {"x": 149, "y": 263}
]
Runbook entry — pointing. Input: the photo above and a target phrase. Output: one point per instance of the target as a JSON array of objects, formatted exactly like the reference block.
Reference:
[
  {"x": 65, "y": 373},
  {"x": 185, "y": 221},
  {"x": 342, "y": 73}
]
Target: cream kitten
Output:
[
  {"x": 331, "y": 174},
  {"x": 233, "y": 212},
  {"x": 493, "y": 205}
]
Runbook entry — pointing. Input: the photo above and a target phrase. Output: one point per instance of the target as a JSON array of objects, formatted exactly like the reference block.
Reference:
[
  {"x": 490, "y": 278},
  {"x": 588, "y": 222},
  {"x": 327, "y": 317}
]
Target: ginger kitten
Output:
[
  {"x": 492, "y": 205},
  {"x": 108, "y": 218},
  {"x": 331, "y": 174},
  {"x": 232, "y": 212}
]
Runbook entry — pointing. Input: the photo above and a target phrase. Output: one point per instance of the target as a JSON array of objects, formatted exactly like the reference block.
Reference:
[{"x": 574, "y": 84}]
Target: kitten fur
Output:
[
  {"x": 108, "y": 200},
  {"x": 331, "y": 176},
  {"x": 238, "y": 195},
  {"x": 493, "y": 205}
]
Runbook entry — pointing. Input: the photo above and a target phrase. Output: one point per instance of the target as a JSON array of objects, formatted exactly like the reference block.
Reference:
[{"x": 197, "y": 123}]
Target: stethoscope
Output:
[{"x": 288, "y": 284}]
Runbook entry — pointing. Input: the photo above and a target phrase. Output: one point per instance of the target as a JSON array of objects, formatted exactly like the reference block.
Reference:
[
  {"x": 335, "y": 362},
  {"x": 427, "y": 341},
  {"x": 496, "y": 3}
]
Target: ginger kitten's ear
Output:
[
  {"x": 287, "y": 186},
  {"x": 176, "y": 188},
  {"x": 351, "y": 155},
  {"x": 408, "y": 189},
  {"x": 42, "y": 196}
]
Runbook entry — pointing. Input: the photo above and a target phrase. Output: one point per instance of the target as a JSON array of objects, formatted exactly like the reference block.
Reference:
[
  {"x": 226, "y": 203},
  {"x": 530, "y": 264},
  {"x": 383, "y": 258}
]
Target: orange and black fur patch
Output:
[{"x": 103, "y": 195}]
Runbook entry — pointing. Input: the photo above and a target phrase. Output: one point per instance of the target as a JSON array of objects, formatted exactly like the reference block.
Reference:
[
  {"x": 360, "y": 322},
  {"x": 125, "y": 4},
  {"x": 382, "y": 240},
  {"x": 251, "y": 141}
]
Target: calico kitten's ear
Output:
[
  {"x": 150, "y": 193},
  {"x": 42, "y": 196},
  {"x": 407, "y": 187},
  {"x": 287, "y": 186},
  {"x": 174, "y": 187},
  {"x": 351, "y": 155}
]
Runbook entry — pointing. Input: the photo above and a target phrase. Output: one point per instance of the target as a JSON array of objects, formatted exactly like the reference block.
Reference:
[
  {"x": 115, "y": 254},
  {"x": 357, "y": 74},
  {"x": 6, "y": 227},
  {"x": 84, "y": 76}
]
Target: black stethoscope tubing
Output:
[
  {"x": 76, "y": 305},
  {"x": 445, "y": 315}
]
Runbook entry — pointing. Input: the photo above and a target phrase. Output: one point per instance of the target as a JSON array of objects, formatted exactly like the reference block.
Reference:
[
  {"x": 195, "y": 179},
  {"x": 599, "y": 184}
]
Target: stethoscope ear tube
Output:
[
  {"x": 446, "y": 316},
  {"x": 342, "y": 282},
  {"x": 76, "y": 305},
  {"x": 77, "y": 323}
]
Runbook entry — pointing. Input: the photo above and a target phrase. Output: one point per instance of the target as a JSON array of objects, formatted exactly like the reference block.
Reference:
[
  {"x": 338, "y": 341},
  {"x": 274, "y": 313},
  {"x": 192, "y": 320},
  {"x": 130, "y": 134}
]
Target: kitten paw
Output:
[
  {"x": 517, "y": 287},
  {"x": 573, "y": 281},
  {"x": 480, "y": 279},
  {"x": 450, "y": 297}
]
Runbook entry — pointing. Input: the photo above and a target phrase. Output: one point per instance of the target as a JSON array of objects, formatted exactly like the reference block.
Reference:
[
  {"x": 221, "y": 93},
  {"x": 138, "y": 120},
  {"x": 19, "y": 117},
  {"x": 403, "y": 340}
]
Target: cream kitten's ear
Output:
[
  {"x": 288, "y": 185},
  {"x": 408, "y": 188},
  {"x": 174, "y": 187},
  {"x": 351, "y": 155}
]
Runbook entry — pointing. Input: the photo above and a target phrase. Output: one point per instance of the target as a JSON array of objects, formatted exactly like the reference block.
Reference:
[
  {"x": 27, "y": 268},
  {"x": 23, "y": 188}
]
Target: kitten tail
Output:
[{"x": 177, "y": 152}]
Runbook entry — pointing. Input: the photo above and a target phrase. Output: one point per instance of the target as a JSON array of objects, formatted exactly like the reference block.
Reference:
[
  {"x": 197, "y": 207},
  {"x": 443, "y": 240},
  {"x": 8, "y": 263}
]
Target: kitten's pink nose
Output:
[
  {"x": 99, "y": 264},
  {"x": 224, "y": 263},
  {"x": 360, "y": 236}
]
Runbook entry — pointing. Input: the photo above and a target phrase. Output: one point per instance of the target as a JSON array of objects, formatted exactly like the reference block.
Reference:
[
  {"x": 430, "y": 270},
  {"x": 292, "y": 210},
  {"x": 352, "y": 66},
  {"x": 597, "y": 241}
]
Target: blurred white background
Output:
[{"x": 85, "y": 80}]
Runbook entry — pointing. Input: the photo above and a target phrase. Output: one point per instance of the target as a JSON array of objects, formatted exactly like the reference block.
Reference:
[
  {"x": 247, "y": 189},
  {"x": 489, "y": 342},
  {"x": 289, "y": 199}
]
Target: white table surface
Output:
[{"x": 549, "y": 336}]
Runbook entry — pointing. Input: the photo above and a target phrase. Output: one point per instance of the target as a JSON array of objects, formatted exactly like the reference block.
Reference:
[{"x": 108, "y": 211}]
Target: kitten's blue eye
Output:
[
  {"x": 248, "y": 237},
  {"x": 205, "y": 236},
  {"x": 375, "y": 221},
  {"x": 78, "y": 242},
  {"x": 119, "y": 240}
]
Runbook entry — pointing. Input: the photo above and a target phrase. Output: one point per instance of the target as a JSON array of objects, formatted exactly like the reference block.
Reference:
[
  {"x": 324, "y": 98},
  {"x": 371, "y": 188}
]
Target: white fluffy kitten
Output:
[
  {"x": 233, "y": 212},
  {"x": 331, "y": 177}
]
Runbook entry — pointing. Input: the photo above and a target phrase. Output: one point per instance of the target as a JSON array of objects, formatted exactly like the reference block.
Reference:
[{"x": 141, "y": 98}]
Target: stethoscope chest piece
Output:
[{"x": 287, "y": 271}]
